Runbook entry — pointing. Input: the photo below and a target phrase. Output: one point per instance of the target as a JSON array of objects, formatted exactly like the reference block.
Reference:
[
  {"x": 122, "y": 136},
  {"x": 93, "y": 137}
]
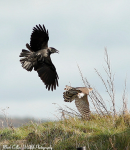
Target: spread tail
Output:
[
  {"x": 25, "y": 61},
  {"x": 70, "y": 94}
]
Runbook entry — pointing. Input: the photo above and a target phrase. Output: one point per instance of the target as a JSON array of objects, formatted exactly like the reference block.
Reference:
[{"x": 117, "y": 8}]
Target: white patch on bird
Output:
[{"x": 80, "y": 95}]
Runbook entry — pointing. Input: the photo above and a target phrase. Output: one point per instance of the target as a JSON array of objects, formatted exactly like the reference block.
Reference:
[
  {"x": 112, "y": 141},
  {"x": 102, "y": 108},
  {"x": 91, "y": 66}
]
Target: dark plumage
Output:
[{"x": 37, "y": 57}]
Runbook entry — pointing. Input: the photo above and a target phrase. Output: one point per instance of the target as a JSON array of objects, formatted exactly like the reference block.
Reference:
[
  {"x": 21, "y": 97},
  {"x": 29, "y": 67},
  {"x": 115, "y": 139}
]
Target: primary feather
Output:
[{"x": 39, "y": 38}]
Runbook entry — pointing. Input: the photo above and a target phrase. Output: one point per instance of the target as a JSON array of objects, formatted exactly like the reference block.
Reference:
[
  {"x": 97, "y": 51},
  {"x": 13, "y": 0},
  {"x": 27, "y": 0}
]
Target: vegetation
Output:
[
  {"x": 106, "y": 129},
  {"x": 99, "y": 133}
]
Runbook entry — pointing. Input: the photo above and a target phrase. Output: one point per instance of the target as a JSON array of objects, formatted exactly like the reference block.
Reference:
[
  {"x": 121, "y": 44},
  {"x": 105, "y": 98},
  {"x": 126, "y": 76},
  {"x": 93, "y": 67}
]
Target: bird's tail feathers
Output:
[
  {"x": 70, "y": 95},
  {"x": 24, "y": 53},
  {"x": 26, "y": 64}
]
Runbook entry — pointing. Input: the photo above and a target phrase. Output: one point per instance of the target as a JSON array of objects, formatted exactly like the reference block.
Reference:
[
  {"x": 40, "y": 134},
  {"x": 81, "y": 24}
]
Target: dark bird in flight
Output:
[
  {"x": 80, "y": 95},
  {"x": 37, "y": 57}
]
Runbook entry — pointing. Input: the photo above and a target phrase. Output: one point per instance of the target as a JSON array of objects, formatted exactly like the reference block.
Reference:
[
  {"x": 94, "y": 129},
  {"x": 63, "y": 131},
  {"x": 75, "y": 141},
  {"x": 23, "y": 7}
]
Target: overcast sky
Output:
[{"x": 79, "y": 30}]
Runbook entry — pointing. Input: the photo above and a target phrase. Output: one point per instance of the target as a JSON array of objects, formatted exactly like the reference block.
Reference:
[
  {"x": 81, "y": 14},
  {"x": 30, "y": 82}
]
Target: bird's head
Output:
[{"x": 53, "y": 50}]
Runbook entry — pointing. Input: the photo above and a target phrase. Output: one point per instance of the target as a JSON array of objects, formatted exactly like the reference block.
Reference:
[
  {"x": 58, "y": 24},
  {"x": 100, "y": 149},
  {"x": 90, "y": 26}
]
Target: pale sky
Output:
[{"x": 79, "y": 30}]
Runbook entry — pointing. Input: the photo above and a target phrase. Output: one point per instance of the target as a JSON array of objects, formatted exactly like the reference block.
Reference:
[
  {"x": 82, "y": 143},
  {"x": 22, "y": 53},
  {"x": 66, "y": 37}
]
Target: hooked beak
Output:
[{"x": 57, "y": 51}]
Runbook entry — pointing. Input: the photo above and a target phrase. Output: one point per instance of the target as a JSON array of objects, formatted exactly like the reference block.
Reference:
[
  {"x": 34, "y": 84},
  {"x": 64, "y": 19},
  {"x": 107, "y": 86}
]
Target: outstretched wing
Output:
[
  {"x": 39, "y": 38},
  {"x": 82, "y": 105},
  {"x": 48, "y": 75}
]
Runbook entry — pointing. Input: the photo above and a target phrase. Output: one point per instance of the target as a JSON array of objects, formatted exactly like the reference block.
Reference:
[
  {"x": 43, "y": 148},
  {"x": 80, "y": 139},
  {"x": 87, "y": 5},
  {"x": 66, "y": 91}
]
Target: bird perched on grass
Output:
[
  {"x": 37, "y": 57},
  {"x": 80, "y": 94}
]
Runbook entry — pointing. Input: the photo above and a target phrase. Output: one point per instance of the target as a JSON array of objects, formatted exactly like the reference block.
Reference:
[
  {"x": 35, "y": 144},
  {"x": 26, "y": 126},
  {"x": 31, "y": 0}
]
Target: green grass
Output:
[{"x": 99, "y": 133}]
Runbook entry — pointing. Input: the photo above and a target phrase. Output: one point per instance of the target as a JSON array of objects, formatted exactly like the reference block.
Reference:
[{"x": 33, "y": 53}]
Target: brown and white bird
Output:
[
  {"x": 80, "y": 95},
  {"x": 37, "y": 57}
]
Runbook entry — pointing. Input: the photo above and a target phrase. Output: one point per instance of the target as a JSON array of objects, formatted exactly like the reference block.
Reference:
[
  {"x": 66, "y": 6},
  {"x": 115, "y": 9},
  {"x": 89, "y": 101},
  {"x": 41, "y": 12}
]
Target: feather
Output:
[{"x": 39, "y": 38}]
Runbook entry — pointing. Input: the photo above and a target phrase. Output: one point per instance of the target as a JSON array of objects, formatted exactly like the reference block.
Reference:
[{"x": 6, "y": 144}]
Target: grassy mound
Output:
[{"x": 100, "y": 132}]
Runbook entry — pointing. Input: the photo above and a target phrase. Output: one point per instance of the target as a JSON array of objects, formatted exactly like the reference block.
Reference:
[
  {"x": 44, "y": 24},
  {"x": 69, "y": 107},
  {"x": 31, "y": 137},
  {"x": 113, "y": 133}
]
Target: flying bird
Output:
[
  {"x": 37, "y": 57},
  {"x": 80, "y": 95}
]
